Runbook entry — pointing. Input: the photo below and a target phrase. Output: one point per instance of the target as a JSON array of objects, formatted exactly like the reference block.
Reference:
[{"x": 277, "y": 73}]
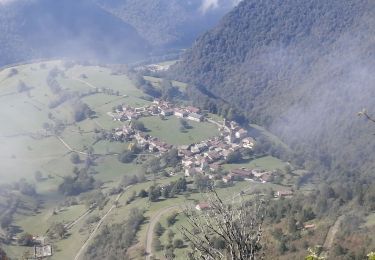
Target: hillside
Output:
[
  {"x": 168, "y": 23},
  {"x": 112, "y": 31},
  {"x": 301, "y": 68},
  {"x": 67, "y": 165},
  {"x": 77, "y": 29}
]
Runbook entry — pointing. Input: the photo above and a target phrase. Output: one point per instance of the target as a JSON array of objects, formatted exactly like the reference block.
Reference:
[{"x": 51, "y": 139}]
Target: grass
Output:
[
  {"x": 370, "y": 220},
  {"x": 166, "y": 130},
  {"x": 22, "y": 114},
  {"x": 156, "y": 82},
  {"x": 268, "y": 163},
  {"x": 22, "y": 155},
  {"x": 273, "y": 138}
]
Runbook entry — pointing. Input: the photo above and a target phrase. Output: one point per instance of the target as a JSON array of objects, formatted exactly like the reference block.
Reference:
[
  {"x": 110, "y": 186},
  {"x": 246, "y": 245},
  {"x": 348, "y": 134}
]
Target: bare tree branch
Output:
[
  {"x": 365, "y": 114},
  {"x": 237, "y": 224}
]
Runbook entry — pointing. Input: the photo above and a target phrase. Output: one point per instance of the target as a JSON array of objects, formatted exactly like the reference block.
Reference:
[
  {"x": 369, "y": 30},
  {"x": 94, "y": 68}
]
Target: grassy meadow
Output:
[{"x": 24, "y": 150}]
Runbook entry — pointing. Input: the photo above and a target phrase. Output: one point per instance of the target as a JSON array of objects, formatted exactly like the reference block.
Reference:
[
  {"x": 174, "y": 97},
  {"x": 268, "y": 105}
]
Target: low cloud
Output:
[
  {"x": 5, "y": 2},
  {"x": 208, "y": 5}
]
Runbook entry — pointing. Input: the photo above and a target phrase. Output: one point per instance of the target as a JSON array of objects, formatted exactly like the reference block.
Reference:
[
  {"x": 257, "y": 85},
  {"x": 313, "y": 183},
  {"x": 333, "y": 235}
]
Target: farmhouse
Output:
[
  {"x": 227, "y": 178},
  {"x": 248, "y": 142},
  {"x": 284, "y": 193},
  {"x": 202, "y": 206},
  {"x": 212, "y": 156},
  {"x": 242, "y": 133},
  {"x": 191, "y": 109},
  {"x": 180, "y": 113},
  {"x": 244, "y": 173},
  {"x": 214, "y": 166},
  {"x": 188, "y": 162},
  {"x": 166, "y": 112},
  {"x": 195, "y": 117},
  {"x": 309, "y": 226},
  {"x": 190, "y": 172}
]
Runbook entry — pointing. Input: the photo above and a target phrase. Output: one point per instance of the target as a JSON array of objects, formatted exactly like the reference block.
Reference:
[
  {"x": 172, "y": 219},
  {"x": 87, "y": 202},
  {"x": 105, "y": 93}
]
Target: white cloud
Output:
[
  {"x": 4, "y": 2},
  {"x": 208, "y": 5}
]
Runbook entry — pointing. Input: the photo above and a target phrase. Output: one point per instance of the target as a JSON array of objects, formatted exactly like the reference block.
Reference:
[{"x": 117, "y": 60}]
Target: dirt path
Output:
[
  {"x": 156, "y": 218},
  {"x": 85, "y": 82},
  {"x": 69, "y": 226},
  {"x": 82, "y": 249},
  {"x": 331, "y": 235},
  {"x": 151, "y": 226},
  {"x": 69, "y": 147}
]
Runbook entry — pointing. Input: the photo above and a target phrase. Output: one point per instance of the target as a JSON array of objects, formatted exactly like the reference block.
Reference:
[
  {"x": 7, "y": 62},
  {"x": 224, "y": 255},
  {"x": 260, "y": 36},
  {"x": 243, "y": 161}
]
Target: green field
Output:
[
  {"x": 168, "y": 130},
  {"x": 156, "y": 83},
  {"x": 268, "y": 163},
  {"x": 24, "y": 149},
  {"x": 22, "y": 115}
]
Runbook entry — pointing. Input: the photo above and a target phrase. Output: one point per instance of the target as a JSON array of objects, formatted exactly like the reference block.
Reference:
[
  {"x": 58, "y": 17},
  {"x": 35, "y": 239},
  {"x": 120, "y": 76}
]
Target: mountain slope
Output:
[
  {"x": 302, "y": 68},
  {"x": 168, "y": 23},
  {"x": 78, "y": 29}
]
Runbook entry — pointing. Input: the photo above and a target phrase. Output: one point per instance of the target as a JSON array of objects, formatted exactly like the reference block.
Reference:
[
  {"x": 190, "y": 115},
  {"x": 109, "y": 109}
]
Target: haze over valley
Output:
[{"x": 200, "y": 129}]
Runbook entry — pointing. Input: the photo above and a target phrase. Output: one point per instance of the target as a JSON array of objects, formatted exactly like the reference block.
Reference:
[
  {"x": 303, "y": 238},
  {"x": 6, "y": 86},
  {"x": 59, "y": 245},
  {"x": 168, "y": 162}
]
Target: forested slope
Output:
[
  {"x": 75, "y": 29},
  {"x": 302, "y": 68},
  {"x": 168, "y": 23}
]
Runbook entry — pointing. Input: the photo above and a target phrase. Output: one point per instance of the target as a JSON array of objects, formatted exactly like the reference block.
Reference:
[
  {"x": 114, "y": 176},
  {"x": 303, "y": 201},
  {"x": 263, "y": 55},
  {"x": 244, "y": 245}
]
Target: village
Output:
[{"x": 204, "y": 158}]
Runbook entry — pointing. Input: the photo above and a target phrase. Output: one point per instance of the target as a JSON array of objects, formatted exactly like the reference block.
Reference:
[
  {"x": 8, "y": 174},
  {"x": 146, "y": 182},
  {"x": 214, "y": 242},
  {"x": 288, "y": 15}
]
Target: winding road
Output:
[
  {"x": 156, "y": 218},
  {"x": 150, "y": 230},
  {"x": 331, "y": 235},
  {"x": 82, "y": 249},
  {"x": 69, "y": 147}
]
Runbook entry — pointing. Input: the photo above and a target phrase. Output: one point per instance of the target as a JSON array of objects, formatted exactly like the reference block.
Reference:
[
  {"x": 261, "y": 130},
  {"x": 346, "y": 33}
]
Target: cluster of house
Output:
[
  {"x": 153, "y": 67},
  {"x": 157, "y": 108},
  {"x": 207, "y": 156},
  {"x": 143, "y": 140}
]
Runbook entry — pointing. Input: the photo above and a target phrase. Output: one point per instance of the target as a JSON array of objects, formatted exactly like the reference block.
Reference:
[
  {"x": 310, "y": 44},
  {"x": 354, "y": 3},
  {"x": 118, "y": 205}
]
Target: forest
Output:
[{"x": 285, "y": 66}]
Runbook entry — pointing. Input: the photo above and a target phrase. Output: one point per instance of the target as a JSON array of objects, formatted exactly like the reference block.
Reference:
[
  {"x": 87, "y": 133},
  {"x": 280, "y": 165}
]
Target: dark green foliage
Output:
[
  {"x": 25, "y": 239},
  {"x": 172, "y": 219},
  {"x": 171, "y": 158},
  {"x": 178, "y": 243},
  {"x": 81, "y": 111},
  {"x": 57, "y": 230},
  {"x": 114, "y": 241},
  {"x": 5, "y": 221},
  {"x": 142, "y": 193},
  {"x": 25, "y": 187},
  {"x": 152, "y": 19},
  {"x": 3, "y": 255},
  {"x": 234, "y": 157},
  {"x": 154, "y": 193},
  {"x": 157, "y": 244},
  {"x": 80, "y": 182},
  {"x": 218, "y": 243},
  {"x": 202, "y": 183},
  {"x": 132, "y": 179},
  {"x": 126, "y": 156},
  {"x": 159, "y": 230},
  {"x": 92, "y": 219},
  {"x": 74, "y": 158},
  {"x": 285, "y": 65},
  {"x": 138, "y": 125}
]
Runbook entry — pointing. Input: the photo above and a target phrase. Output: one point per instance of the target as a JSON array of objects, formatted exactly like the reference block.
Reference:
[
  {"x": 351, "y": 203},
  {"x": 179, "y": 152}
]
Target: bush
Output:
[
  {"x": 178, "y": 243},
  {"x": 126, "y": 156},
  {"x": 74, "y": 158},
  {"x": 159, "y": 230}
]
